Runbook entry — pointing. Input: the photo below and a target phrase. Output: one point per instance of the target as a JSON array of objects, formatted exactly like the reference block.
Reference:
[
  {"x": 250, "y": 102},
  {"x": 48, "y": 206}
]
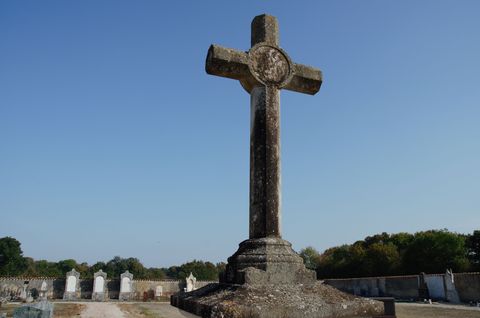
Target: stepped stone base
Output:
[
  {"x": 275, "y": 301},
  {"x": 265, "y": 278}
]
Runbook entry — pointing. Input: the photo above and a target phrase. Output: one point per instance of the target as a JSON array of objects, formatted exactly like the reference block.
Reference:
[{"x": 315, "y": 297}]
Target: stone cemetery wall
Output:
[
  {"x": 14, "y": 285},
  {"x": 143, "y": 289},
  {"x": 467, "y": 285},
  {"x": 402, "y": 287},
  {"x": 436, "y": 286}
]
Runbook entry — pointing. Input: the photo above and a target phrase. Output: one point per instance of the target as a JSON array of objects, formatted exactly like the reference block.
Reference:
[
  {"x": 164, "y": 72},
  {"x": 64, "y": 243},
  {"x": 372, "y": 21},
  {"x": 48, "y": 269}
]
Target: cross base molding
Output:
[{"x": 269, "y": 260}]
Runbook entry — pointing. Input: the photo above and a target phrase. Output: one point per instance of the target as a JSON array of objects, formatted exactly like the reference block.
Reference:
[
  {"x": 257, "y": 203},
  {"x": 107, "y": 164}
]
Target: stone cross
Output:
[{"x": 263, "y": 71}]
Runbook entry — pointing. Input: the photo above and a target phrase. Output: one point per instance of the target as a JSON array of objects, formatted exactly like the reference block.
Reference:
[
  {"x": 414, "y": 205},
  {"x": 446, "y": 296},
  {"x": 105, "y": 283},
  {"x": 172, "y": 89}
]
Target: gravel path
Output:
[
  {"x": 165, "y": 310},
  {"x": 101, "y": 310},
  {"x": 439, "y": 305},
  {"x": 415, "y": 310}
]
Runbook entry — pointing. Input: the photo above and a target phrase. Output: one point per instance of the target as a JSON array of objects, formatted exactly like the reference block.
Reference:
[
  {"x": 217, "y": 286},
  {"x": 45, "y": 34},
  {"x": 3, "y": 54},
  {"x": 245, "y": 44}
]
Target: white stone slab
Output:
[{"x": 71, "y": 284}]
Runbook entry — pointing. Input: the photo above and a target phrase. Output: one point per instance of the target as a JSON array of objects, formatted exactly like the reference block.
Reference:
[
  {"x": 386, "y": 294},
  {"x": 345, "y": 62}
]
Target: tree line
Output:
[
  {"x": 13, "y": 263},
  {"x": 382, "y": 254},
  {"x": 386, "y": 254}
]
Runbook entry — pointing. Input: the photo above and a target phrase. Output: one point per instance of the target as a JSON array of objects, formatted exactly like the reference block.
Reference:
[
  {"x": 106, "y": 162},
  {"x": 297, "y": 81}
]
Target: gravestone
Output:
[
  {"x": 265, "y": 277},
  {"x": 190, "y": 282},
  {"x": 99, "y": 286},
  {"x": 29, "y": 298},
  {"x": 23, "y": 293},
  {"x": 72, "y": 285},
  {"x": 43, "y": 290},
  {"x": 126, "y": 290},
  {"x": 42, "y": 309},
  {"x": 158, "y": 291}
]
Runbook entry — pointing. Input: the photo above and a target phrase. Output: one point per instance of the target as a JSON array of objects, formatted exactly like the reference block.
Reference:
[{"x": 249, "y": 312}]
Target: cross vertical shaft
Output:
[
  {"x": 265, "y": 182},
  {"x": 265, "y": 185}
]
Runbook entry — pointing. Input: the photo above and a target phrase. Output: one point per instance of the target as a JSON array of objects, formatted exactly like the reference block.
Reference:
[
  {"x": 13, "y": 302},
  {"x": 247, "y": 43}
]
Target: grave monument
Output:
[
  {"x": 190, "y": 282},
  {"x": 99, "y": 286},
  {"x": 72, "y": 286},
  {"x": 126, "y": 290},
  {"x": 43, "y": 290},
  {"x": 265, "y": 277}
]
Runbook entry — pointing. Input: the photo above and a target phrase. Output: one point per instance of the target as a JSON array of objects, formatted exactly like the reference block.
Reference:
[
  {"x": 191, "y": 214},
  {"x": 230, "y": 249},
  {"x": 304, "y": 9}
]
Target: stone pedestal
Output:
[
  {"x": 268, "y": 260},
  {"x": 265, "y": 278}
]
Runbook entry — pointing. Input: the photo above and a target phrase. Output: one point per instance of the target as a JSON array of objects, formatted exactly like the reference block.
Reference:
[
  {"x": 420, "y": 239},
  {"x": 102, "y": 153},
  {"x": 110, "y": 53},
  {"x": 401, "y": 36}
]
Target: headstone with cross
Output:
[{"x": 263, "y": 71}]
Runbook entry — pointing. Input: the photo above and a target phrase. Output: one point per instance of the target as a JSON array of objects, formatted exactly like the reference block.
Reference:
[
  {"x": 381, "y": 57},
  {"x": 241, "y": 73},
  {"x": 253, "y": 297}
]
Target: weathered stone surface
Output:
[
  {"x": 265, "y": 277},
  {"x": 235, "y": 64},
  {"x": 126, "y": 286},
  {"x": 267, "y": 261},
  {"x": 42, "y": 309},
  {"x": 72, "y": 286},
  {"x": 99, "y": 286},
  {"x": 190, "y": 282},
  {"x": 265, "y": 179},
  {"x": 275, "y": 301}
]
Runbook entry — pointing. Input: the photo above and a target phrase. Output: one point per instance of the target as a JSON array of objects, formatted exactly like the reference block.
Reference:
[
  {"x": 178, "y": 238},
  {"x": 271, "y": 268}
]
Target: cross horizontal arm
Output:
[
  {"x": 306, "y": 79},
  {"x": 227, "y": 62}
]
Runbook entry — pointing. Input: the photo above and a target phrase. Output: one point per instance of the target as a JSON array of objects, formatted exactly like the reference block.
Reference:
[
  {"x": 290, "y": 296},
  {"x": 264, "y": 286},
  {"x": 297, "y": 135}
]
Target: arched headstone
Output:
[
  {"x": 126, "y": 288},
  {"x": 191, "y": 281},
  {"x": 99, "y": 286},
  {"x": 43, "y": 290},
  {"x": 72, "y": 286}
]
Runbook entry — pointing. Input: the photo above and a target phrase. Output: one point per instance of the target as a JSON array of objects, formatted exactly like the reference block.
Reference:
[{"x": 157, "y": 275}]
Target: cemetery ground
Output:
[{"x": 164, "y": 310}]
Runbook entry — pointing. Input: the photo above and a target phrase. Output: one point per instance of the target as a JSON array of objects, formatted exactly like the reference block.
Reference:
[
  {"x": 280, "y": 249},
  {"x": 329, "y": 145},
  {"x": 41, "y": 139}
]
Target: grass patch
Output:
[
  {"x": 432, "y": 312},
  {"x": 65, "y": 310},
  {"x": 8, "y": 309},
  {"x": 136, "y": 311}
]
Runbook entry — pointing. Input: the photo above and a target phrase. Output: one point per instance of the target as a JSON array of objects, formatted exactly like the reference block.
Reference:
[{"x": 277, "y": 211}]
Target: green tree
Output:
[
  {"x": 381, "y": 259},
  {"x": 337, "y": 262},
  {"x": 47, "y": 269},
  {"x": 434, "y": 251},
  {"x": 221, "y": 267},
  {"x": 155, "y": 273},
  {"x": 12, "y": 262},
  {"x": 473, "y": 249},
  {"x": 66, "y": 265},
  {"x": 402, "y": 253},
  {"x": 311, "y": 257},
  {"x": 95, "y": 268},
  {"x": 118, "y": 265},
  {"x": 200, "y": 269}
]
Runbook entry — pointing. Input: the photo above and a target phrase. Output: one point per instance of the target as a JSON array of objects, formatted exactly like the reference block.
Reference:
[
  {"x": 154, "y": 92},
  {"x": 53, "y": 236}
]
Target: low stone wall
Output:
[
  {"x": 466, "y": 285},
  {"x": 436, "y": 286},
  {"x": 143, "y": 289},
  {"x": 400, "y": 287}
]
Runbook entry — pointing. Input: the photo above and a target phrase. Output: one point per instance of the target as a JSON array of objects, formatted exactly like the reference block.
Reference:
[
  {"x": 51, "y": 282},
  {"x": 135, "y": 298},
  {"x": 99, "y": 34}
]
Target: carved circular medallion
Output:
[{"x": 270, "y": 65}]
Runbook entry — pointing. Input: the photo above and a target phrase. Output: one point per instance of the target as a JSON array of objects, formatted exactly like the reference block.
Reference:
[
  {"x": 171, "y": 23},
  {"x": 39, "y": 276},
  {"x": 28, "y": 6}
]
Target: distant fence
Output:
[
  {"x": 13, "y": 286},
  {"x": 463, "y": 287}
]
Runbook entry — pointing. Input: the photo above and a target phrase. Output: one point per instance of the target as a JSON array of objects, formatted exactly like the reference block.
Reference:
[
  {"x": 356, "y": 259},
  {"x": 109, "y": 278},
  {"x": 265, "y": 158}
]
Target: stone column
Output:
[{"x": 265, "y": 182}]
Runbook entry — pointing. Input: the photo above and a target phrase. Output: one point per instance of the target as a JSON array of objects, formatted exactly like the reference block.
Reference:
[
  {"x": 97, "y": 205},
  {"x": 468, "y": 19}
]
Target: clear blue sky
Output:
[{"x": 114, "y": 140}]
